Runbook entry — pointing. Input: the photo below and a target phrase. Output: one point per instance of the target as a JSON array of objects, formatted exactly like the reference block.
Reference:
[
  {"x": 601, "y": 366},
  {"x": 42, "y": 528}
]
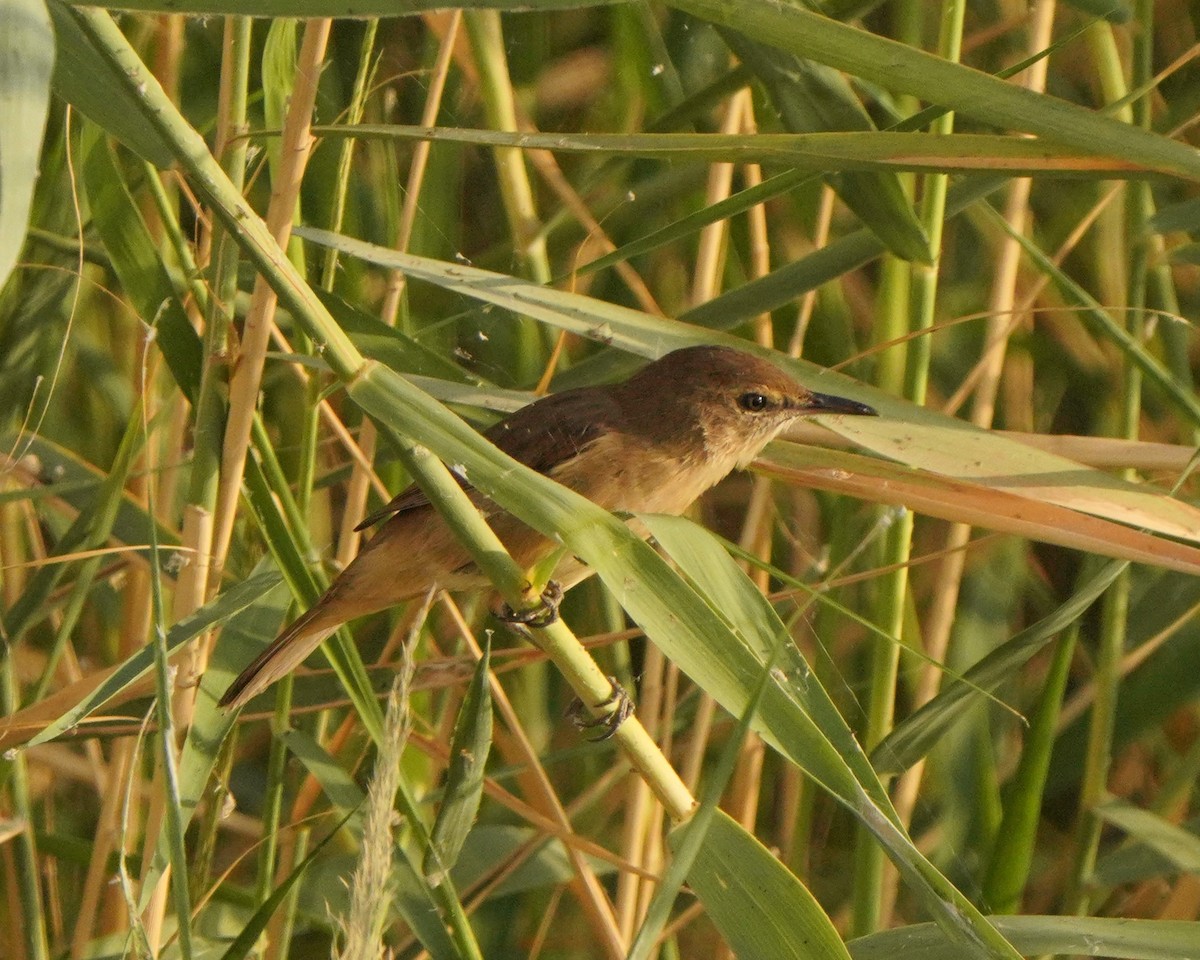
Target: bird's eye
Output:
[{"x": 753, "y": 402}]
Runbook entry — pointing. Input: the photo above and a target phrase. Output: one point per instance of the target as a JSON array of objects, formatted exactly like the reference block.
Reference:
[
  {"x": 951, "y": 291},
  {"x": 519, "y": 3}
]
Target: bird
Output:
[{"x": 650, "y": 444}]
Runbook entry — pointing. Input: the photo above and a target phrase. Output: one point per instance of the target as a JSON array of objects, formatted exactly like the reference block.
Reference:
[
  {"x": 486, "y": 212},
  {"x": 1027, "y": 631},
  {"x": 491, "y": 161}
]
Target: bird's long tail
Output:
[{"x": 286, "y": 652}]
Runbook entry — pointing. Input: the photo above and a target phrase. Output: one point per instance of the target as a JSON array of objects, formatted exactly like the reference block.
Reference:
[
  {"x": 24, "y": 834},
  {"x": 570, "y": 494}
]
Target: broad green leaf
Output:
[
  {"x": 933, "y": 442},
  {"x": 1035, "y": 936},
  {"x": 26, "y": 63},
  {"x": 760, "y": 907},
  {"x": 469, "y": 748},
  {"x": 1181, "y": 847},
  {"x": 82, "y": 77},
  {"x": 796, "y": 714},
  {"x": 1049, "y": 513}
]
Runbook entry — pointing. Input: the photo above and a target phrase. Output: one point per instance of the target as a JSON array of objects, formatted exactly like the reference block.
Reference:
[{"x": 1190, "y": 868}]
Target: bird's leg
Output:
[
  {"x": 544, "y": 613},
  {"x": 618, "y": 707}
]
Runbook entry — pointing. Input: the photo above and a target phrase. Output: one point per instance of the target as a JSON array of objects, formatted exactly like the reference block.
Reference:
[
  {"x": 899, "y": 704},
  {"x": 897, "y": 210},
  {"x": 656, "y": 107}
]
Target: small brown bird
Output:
[{"x": 651, "y": 444}]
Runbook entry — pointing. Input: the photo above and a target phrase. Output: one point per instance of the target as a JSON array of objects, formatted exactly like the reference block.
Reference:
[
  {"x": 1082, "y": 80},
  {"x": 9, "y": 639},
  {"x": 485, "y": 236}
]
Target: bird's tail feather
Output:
[{"x": 286, "y": 652}]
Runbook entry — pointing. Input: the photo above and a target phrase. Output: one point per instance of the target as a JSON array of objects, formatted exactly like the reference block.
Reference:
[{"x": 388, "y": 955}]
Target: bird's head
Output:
[{"x": 721, "y": 404}]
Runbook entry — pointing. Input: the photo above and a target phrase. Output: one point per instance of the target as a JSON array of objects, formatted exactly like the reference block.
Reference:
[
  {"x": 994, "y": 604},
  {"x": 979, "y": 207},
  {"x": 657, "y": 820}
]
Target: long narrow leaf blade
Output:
[
  {"x": 760, "y": 907},
  {"x": 895, "y": 66}
]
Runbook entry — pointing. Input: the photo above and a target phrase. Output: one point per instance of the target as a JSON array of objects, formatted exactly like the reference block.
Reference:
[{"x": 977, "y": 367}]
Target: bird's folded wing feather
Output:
[{"x": 541, "y": 436}]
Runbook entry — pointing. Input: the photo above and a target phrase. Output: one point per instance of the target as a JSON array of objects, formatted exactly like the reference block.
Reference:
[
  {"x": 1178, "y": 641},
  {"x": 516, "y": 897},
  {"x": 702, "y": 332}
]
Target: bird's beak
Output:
[{"x": 824, "y": 403}]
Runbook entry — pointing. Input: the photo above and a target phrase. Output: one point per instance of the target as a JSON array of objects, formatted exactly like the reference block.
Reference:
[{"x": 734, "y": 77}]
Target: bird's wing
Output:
[
  {"x": 541, "y": 436},
  {"x": 409, "y": 498}
]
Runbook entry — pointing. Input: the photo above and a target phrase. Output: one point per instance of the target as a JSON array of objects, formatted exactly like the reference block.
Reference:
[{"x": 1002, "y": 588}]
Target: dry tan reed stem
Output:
[
  {"x": 640, "y": 821},
  {"x": 295, "y": 146},
  {"x": 710, "y": 250}
]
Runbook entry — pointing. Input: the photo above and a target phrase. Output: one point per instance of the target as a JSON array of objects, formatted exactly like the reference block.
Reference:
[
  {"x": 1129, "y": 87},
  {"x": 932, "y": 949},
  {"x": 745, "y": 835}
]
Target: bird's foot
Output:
[
  {"x": 618, "y": 707},
  {"x": 541, "y": 615}
]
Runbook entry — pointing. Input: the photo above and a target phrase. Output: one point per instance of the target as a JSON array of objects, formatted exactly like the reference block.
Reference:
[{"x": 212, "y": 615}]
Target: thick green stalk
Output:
[
  {"x": 33, "y": 920},
  {"x": 888, "y": 601},
  {"x": 1160, "y": 292},
  {"x": 1115, "y": 608},
  {"x": 210, "y": 405},
  {"x": 871, "y": 900},
  {"x": 487, "y": 43},
  {"x": 529, "y": 243},
  {"x": 1008, "y": 869},
  {"x": 892, "y": 326}
]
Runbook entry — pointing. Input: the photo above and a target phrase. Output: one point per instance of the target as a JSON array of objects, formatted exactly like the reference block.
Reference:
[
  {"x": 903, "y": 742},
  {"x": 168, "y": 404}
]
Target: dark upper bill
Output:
[{"x": 826, "y": 403}]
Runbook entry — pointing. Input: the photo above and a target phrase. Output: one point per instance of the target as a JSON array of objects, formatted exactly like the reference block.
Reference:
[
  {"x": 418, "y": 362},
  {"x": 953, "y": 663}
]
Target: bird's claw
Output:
[
  {"x": 621, "y": 709},
  {"x": 541, "y": 615}
]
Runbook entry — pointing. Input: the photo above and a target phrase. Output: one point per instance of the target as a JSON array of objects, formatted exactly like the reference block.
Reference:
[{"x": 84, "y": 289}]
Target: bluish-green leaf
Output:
[{"x": 26, "y": 63}]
